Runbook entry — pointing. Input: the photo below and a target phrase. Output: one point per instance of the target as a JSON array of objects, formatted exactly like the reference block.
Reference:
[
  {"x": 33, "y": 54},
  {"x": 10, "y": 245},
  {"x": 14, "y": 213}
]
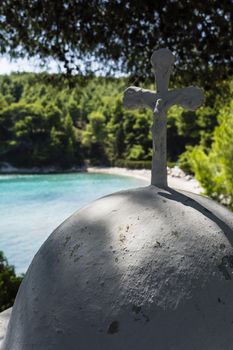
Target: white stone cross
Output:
[{"x": 134, "y": 97}]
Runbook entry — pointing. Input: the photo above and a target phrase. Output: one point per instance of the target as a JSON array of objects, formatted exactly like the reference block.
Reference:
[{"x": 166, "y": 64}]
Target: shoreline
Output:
[
  {"x": 11, "y": 170},
  {"x": 176, "y": 177}
]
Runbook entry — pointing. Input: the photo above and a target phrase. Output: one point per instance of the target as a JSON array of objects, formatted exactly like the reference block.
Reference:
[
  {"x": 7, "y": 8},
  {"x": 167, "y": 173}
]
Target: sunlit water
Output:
[{"x": 32, "y": 206}]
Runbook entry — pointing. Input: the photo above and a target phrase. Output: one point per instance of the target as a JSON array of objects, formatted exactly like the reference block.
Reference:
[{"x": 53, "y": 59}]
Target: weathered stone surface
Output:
[
  {"x": 141, "y": 269},
  {"x": 4, "y": 319},
  {"x": 190, "y": 98}
]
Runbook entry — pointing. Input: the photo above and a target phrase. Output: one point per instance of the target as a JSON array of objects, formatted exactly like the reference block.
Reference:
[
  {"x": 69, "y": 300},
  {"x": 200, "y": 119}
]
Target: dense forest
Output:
[{"x": 46, "y": 122}]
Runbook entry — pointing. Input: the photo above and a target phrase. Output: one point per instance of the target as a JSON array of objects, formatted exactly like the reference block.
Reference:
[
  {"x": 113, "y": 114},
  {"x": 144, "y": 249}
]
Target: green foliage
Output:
[
  {"x": 131, "y": 164},
  {"x": 136, "y": 152},
  {"x": 214, "y": 167},
  {"x": 184, "y": 160},
  {"x": 45, "y": 123},
  {"x": 94, "y": 137},
  {"x": 36, "y": 126},
  {"x": 9, "y": 283},
  {"x": 121, "y": 33}
]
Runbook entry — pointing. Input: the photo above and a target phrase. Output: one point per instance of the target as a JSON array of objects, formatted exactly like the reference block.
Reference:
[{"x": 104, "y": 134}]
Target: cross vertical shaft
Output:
[
  {"x": 159, "y": 156},
  {"x": 162, "y": 61}
]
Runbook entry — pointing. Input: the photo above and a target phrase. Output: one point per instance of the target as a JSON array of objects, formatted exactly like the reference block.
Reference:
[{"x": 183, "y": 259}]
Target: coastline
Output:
[
  {"x": 176, "y": 177},
  {"x": 8, "y": 169}
]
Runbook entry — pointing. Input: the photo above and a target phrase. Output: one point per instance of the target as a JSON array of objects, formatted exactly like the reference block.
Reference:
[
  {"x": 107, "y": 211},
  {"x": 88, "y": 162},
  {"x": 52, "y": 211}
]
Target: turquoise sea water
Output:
[{"x": 32, "y": 206}]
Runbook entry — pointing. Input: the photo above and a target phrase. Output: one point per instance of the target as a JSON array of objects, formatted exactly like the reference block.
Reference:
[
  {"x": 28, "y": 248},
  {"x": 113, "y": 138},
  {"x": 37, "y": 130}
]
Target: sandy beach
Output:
[{"x": 176, "y": 177}]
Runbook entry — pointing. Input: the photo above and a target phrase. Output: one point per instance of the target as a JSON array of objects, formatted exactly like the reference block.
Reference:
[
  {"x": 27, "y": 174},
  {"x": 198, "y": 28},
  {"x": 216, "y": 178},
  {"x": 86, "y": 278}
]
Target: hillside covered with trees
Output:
[{"x": 45, "y": 122}]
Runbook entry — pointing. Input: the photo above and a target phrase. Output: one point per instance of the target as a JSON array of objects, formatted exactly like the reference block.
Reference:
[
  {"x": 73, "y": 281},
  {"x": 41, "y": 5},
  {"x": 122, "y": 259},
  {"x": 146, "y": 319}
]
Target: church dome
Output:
[{"x": 148, "y": 268}]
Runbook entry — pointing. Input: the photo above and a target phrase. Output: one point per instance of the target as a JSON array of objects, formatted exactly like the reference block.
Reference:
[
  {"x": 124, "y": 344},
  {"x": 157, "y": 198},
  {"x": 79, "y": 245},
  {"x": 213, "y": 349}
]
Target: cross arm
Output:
[
  {"x": 189, "y": 98},
  {"x": 135, "y": 97}
]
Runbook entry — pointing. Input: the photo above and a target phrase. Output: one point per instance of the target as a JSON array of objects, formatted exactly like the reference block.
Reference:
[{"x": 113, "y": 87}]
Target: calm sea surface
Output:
[{"x": 32, "y": 206}]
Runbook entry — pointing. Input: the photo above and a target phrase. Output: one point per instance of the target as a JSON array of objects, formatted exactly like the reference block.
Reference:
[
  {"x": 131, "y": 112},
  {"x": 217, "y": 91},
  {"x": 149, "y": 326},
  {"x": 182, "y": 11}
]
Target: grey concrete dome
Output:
[{"x": 141, "y": 269}]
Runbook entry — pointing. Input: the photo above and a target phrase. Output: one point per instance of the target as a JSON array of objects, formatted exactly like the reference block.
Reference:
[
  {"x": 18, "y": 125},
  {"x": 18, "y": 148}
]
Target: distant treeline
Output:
[{"x": 43, "y": 122}]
